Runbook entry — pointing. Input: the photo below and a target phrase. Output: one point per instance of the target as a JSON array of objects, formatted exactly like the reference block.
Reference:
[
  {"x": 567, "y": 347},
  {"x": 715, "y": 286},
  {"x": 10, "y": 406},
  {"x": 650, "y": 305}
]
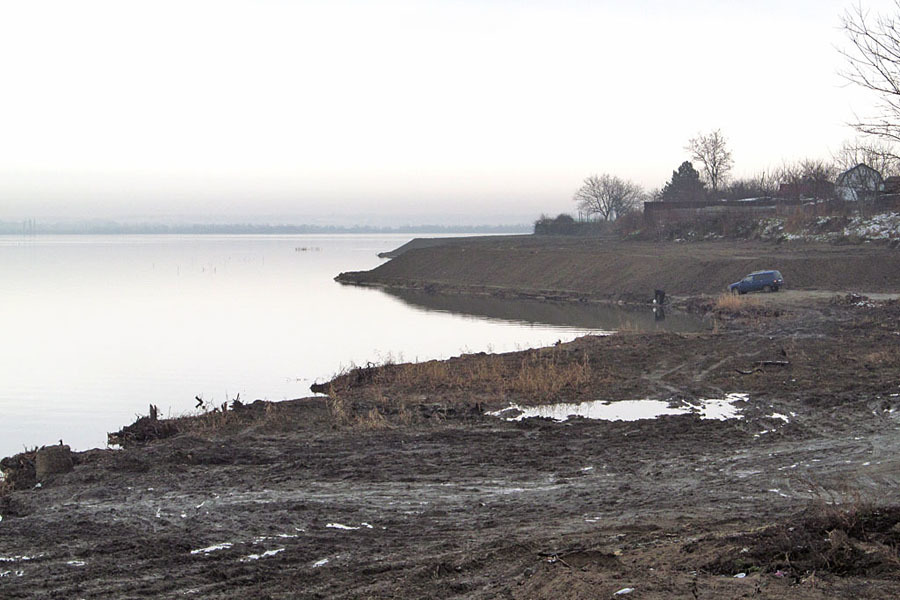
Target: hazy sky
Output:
[{"x": 421, "y": 111}]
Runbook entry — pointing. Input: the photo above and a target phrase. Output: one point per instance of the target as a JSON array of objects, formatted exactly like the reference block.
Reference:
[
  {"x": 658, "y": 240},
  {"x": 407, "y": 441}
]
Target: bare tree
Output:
[
  {"x": 607, "y": 196},
  {"x": 873, "y": 153},
  {"x": 809, "y": 177},
  {"x": 711, "y": 151},
  {"x": 807, "y": 169},
  {"x": 874, "y": 63},
  {"x": 761, "y": 185}
]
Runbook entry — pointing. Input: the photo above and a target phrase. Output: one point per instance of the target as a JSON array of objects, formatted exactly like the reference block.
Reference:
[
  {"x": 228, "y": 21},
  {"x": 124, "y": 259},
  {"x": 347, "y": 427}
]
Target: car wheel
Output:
[
  {"x": 775, "y": 289},
  {"x": 768, "y": 288}
]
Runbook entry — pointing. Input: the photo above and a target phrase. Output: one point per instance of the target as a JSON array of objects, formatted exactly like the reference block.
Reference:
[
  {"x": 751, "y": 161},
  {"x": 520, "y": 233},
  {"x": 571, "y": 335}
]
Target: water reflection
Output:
[{"x": 606, "y": 317}]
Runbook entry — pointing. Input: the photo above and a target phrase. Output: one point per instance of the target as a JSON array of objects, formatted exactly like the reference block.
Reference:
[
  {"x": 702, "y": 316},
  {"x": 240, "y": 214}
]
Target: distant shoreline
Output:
[{"x": 30, "y": 228}]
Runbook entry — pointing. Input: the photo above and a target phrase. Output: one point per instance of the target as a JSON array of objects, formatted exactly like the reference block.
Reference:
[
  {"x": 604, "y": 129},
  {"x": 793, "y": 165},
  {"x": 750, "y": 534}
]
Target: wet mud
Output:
[{"x": 399, "y": 483}]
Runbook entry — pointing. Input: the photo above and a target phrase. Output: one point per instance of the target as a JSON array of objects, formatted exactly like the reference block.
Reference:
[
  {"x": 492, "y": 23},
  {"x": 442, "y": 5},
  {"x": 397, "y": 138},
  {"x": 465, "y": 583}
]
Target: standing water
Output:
[{"x": 96, "y": 328}]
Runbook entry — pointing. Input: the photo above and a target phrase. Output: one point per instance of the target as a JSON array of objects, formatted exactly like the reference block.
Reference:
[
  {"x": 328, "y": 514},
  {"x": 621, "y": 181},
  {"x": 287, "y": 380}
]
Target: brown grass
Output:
[
  {"x": 881, "y": 357},
  {"x": 358, "y": 399},
  {"x": 534, "y": 374},
  {"x": 728, "y": 302},
  {"x": 374, "y": 419},
  {"x": 337, "y": 408}
]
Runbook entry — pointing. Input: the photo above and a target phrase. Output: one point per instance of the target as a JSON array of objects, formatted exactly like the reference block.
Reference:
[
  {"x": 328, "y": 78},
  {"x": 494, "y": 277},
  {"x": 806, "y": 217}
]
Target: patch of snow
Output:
[
  {"x": 265, "y": 554},
  {"x": 76, "y": 563},
  {"x": 784, "y": 418},
  {"x": 624, "y": 591},
  {"x": 213, "y": 548},
  {"x": 23, "y": 558},
  {"x": 18, "y": 573},
  {"x": 348, "y": 527},
  {"x": 320, "y": 563}
]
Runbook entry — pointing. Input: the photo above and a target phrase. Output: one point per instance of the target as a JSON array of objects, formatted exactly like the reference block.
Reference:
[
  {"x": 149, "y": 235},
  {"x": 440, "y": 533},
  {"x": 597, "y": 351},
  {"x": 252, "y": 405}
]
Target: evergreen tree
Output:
[{"x": 685, "y": 185}]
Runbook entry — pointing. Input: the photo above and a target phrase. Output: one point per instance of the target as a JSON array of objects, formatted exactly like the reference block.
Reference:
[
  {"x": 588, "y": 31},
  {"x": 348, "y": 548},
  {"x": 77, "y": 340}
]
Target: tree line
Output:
[{"x": 606, "y": 197}]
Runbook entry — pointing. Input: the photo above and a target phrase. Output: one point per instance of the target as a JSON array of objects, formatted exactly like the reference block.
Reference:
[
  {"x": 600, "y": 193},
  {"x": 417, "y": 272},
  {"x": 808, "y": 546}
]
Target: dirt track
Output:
[{"x": 399, "y": 485}]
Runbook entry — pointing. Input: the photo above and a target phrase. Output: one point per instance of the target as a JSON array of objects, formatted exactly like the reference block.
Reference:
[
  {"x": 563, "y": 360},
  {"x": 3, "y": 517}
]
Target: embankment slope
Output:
[{"x": 602, "y": 270}]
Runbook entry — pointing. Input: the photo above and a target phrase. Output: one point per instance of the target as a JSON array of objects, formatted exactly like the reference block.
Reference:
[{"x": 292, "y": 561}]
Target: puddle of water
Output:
[{"x": 626, "y": 410}]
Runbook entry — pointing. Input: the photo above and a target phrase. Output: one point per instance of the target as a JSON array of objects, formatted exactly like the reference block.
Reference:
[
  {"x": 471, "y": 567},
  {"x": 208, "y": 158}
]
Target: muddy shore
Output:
[{"x": 400, "y": 484}]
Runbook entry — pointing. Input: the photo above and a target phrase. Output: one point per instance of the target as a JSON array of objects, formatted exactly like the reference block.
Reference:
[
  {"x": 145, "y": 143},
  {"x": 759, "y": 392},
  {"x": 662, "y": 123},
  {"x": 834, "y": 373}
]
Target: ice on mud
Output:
[
  {"x": 320, "y": 563},
  {"x": 626, "y": 410}
]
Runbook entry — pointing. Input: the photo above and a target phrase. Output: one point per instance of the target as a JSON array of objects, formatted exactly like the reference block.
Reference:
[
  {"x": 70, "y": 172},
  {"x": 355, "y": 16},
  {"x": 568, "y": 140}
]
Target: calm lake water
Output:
[{"x": 96, "y": 328}]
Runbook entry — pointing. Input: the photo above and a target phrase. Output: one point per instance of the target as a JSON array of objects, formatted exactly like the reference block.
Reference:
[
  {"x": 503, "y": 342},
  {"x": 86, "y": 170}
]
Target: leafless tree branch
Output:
[
  {"x": 711, "y": 151},
  {"x": 607, "y": 196},
  {"x": 873, "y": 62}
]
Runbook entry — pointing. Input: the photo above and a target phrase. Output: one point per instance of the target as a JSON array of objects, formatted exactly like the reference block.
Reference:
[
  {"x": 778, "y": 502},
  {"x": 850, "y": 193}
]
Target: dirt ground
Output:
[{"x": 399, "y": 484}]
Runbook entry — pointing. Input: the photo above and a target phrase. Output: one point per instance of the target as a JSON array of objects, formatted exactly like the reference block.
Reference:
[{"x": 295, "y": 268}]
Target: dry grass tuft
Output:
[
  {"x": 880, "y": 357},
  {"x": 337, "y": 408},
  {"x": 374, "y": 419},
  {"x": 728, "y": 302}
]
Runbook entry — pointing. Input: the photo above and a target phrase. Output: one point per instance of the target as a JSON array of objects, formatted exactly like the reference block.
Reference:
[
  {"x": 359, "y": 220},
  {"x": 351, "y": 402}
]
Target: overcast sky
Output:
[{"x": 472, "y": 111}]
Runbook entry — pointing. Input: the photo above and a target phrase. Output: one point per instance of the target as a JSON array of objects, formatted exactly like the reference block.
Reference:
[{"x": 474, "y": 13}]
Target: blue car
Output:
[{"x": 768, "y": 281}]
